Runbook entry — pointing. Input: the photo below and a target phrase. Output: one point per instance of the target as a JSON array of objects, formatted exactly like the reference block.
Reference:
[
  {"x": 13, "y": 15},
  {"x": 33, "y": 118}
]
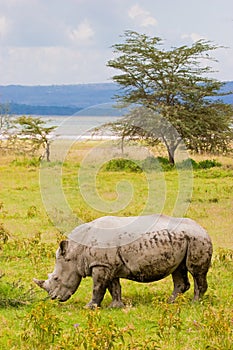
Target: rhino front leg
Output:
[
  {"x": 114, "y": 288},
  {"x": 100, "y": 276}
]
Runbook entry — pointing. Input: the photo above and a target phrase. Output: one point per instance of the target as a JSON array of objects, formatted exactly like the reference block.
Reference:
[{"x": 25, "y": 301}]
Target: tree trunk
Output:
[
  {"x": 171, "y": 156},
  {"x": 171, "y": 148},
  {"x": 122, "y": 145},
  {"x": 47, "y": 150}
]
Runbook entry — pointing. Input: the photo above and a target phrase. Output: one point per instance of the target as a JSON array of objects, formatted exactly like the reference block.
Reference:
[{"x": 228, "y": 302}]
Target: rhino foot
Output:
[
  {"x": 117, "y": 304},
  {"x": 91, "y": 306}
]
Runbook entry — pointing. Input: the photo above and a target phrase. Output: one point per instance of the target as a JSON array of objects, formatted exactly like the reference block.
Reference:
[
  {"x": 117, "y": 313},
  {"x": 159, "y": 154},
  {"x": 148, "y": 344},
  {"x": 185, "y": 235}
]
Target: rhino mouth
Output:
[
  {"x": 61, "y": 299},
  {"x": 58, "y": 297}
]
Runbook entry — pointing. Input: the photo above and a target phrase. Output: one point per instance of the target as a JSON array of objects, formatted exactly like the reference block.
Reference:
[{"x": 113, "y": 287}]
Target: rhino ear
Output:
[{"x": 63, "y": 247}]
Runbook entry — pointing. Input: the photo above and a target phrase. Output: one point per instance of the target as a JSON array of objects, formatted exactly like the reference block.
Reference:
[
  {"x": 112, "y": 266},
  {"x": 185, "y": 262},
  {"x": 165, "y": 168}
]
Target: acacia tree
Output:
[
  {"x": 34, "y": 131},
  {"x": 7, "y": 136},
  {"x": 175, "y": 84}
]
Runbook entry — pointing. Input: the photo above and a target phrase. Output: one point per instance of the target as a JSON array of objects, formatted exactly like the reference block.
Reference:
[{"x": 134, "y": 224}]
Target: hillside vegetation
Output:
[
  {"x": 64, "y": 99},
  {"x": 28, "y": 241},
  {"x": 55, "y": 99}
]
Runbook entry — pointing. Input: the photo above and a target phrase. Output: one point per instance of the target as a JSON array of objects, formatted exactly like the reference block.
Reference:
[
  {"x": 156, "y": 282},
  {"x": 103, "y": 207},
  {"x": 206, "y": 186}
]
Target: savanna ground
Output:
[{"x": 29, "y": 239}]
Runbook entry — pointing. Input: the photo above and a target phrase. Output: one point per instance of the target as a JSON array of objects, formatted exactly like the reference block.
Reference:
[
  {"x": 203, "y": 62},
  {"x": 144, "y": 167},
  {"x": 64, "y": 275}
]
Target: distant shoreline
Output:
[
  {"x": 87, "y": 137},
  {"x": 68, "y": 99}
]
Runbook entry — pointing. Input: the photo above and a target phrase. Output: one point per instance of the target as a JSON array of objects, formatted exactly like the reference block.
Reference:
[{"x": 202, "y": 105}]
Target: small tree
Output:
[
  {"x": 34, "y": 131},
  {"x": 175, "y": 85},
  {"x": 7, "y": 135}
]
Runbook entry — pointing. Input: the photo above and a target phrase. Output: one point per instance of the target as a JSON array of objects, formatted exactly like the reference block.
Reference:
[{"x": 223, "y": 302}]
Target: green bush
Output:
[
  {"x": 158, "y": 163},
  {"x": 204, "y": 164},
  {"x": 98, "y": 334},
  {"x": 164, "y": 163},
  {"x": 26, "y": 162},
  {"x": 208, "y": 163},
  {"x": 188, "y": 164},
  {"x": 14, "y": 294},
  {"x": 121, "y": 164},
  {"x": 150, "y": 163},
  {"x": 42, "y": 329}
]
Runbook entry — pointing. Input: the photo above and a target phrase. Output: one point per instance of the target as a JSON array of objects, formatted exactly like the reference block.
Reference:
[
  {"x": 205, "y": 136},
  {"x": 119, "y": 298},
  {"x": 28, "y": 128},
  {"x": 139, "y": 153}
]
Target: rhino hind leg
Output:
[
  {"x": 180, "y": 281},
  {"x": 200, "y": 285},
  {"x": 114, "y": 288},
  {"x": 198, "y": 263}
]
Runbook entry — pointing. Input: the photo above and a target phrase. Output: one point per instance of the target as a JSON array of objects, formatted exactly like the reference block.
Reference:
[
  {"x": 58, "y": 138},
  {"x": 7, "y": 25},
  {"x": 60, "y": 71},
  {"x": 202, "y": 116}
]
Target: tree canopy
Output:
[
  {"x": 36, "y": 133},
  {"x": 175, "y": 84}
]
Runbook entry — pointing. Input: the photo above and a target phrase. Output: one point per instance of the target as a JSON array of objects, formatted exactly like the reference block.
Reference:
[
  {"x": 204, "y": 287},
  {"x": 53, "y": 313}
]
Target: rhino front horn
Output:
[{"x": 40, "y": 283}]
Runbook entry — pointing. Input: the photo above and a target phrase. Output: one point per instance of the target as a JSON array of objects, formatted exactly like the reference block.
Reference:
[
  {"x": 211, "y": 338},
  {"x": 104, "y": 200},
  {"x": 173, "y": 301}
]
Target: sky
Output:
[{"x": 49, "y": 42}]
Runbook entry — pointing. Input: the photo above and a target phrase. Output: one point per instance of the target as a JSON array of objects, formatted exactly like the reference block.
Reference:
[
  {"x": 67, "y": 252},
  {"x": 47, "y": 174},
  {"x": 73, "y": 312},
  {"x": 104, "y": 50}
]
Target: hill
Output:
[
  {"x": 55, "y": 99},
  {"x": 64, "y": 99}
]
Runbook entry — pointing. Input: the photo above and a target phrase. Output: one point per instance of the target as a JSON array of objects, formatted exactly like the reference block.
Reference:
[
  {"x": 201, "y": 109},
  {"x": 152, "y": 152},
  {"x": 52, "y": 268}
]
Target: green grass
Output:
[{"x": 28, "y": 241}]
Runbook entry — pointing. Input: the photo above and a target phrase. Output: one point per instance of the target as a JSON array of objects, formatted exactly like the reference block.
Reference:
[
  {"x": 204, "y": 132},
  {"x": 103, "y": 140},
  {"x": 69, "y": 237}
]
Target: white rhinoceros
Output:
[{"x": 143, "y": 249}]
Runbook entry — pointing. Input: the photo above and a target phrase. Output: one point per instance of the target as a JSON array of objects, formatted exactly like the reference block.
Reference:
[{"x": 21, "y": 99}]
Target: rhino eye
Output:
[{"x": 55, "y": 278}]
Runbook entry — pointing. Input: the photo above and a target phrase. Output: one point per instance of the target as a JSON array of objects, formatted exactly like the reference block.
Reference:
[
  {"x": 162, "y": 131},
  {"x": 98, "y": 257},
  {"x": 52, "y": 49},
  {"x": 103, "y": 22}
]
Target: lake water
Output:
[
  {"x": 82, "y": 123},
  {"x": 76, "y": 126}
]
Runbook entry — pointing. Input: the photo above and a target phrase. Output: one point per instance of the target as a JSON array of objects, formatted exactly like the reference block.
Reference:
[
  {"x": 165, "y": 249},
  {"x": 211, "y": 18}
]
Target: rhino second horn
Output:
[{"x": 40, "y": 283}]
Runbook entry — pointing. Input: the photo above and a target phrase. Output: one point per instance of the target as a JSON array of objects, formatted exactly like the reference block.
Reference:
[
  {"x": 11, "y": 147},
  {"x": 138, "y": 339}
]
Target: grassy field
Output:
[{"x": 29, "y": 239}]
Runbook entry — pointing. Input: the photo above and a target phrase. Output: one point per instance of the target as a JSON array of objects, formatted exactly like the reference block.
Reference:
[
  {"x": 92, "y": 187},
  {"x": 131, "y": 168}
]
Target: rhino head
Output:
[{"x": 65, "y": 279}]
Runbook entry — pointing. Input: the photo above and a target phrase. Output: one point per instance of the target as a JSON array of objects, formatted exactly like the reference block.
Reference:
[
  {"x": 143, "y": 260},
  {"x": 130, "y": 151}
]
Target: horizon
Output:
[{"x": 75, "y": 84}]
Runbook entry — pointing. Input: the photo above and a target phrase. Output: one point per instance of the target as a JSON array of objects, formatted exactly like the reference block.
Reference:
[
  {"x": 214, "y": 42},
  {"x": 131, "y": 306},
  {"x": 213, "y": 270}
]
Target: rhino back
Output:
[{"x": 112, "y": 231}]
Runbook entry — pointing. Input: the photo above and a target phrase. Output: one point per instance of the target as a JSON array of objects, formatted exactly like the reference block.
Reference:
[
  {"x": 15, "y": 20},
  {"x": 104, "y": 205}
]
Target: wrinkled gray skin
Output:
[{"x": 181, "y": 247}]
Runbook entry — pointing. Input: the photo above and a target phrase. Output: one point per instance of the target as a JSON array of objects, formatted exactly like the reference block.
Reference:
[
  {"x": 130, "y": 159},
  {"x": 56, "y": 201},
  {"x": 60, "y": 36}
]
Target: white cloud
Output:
[
  {"x": 143, "y": 17},
  {"x": 193, "y": 36},
  {"x": 136, "y": 11},
  {"x": 59, "y": 41},
  {"x": 83, "y": 32},
  {"x": 56, "y": 65},
  {"x": 4, "y": 26}
]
